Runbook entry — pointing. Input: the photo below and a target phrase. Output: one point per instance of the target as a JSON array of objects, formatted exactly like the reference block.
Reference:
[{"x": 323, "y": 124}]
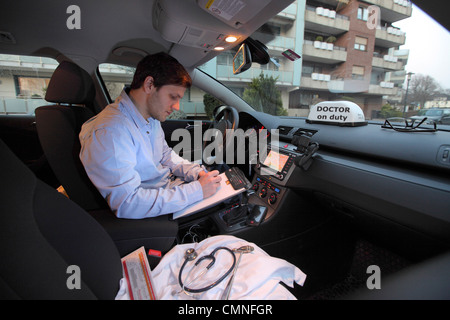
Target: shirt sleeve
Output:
[
  {"x": 110, "y": 160},
  {"x": 179, "y": 166}
]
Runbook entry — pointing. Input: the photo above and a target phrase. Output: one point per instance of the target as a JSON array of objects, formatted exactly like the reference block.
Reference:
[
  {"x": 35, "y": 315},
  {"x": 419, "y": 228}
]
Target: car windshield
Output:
[{"x": 387, "y": 57}]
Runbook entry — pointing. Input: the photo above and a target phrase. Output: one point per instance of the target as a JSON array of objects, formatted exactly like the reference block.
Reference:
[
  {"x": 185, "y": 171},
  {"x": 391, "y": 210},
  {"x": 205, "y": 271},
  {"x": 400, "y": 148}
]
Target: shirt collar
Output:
[{"x": 133, "y": 112}]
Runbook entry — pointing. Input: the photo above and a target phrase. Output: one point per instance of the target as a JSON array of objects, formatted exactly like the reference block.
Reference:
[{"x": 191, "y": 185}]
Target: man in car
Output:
[{"x": 125, "y": 154}]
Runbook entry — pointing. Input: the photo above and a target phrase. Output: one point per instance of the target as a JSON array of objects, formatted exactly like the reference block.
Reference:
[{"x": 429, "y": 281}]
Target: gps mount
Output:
[{"x": 306, "y": 149}]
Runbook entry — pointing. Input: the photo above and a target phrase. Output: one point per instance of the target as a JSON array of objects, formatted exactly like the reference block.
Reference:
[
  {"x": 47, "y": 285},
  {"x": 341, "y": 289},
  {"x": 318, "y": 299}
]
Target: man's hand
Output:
[{"x": 210, "y": 181}]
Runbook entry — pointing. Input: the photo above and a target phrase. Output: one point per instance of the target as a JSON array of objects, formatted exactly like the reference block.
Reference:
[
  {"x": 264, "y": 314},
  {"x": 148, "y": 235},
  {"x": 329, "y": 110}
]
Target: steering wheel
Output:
[{"x": 225, "y": 118}]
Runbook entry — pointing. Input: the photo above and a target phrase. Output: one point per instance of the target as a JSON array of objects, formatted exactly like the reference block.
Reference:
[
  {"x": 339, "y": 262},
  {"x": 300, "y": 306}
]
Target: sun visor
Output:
[{"x": 340, "y": 113}]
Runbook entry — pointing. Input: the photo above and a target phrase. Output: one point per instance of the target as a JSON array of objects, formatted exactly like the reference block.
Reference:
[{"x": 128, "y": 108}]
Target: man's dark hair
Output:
[{"x": 165, "y": 70}]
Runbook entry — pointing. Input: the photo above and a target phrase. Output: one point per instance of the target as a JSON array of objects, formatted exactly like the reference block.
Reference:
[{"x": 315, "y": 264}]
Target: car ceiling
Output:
[
  {"x": 39, "y": 28},
  {"x": 436, "y": 10}
]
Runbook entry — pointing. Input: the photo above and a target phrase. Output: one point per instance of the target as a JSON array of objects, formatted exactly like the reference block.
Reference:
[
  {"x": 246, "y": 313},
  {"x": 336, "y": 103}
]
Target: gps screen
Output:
[{"x": 275, "y": 160}]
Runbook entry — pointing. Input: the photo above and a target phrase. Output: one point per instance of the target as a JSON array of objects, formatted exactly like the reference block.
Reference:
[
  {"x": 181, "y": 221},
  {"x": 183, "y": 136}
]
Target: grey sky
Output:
[{"x": 429, "y": 46}]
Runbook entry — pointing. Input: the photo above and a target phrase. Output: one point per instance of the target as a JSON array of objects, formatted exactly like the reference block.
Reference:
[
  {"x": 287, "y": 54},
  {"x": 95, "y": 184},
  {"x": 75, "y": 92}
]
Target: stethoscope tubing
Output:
[{"x": 213, "y": 260}]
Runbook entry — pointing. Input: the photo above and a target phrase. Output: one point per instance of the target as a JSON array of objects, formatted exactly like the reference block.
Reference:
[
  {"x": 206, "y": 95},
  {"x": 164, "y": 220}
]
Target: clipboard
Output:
[{"x": 225, "y": 191}]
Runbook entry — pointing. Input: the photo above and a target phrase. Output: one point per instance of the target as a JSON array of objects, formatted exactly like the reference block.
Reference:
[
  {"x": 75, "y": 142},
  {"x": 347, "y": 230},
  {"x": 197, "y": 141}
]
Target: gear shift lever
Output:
[{"x": 256, "y": 216}]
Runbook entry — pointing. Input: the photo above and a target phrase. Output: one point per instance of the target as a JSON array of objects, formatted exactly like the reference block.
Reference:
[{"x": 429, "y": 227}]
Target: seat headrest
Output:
[{"x": 70, "y": 84}]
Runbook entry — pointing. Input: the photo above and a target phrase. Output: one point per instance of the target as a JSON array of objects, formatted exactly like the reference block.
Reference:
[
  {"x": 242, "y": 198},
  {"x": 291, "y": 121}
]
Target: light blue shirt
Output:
[{"x": 127, "y": 158}]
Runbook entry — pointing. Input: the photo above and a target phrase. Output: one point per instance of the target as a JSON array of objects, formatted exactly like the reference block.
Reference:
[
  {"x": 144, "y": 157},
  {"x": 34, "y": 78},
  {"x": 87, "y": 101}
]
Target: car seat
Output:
[
  {"x": 42, "y": 233},
  {"x": 58, "y": 127}
]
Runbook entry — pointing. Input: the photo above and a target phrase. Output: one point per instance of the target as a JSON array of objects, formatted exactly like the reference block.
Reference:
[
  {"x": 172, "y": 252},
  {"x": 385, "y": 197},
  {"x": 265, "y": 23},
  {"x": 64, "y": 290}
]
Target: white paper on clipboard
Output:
[
  {"x": 225, "y": 191},
  {"x": 137, "y": 273}
]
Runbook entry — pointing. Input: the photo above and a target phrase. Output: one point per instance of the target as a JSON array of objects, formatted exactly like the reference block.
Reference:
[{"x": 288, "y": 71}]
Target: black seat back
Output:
[
  {"x": 58, "y": 127},
  {"x": 42, "y": 233}
]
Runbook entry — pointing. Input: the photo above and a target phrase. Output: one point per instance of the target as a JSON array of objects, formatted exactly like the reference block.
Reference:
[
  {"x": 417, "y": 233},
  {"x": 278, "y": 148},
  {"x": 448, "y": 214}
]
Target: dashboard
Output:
[{"x": 367, "y": 173}]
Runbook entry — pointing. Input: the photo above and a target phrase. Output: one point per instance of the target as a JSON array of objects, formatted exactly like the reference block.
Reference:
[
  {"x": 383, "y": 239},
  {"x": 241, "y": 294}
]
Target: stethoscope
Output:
[{"x": 191, "y": 255}]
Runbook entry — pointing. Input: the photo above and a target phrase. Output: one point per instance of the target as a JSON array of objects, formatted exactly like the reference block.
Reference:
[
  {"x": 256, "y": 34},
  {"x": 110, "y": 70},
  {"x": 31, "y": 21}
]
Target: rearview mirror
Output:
[{"x": 242, "y": 60}]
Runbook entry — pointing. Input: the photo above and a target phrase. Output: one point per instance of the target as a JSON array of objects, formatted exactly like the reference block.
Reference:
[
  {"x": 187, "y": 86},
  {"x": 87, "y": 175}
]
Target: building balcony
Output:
[
  {"x": 402, "y": 54},
  {"x": 393, "y": 10},
  {"x": 28, "y": 63},
  {"x": 342, "y": 86},
  {"x": 225, "y": 73},
  {"x": 274, "y": 42},
  {"x": 383, "y": 89},
  {"x": 396, "y": 76},
  {"x": 325, "y": 21},
  {"x": 361, "y": 86},
  {"x": 387, "y": 62},
  {"x": 389, "y": 37},
  {"x": 287, "y": 15},
  {"x": 13, "y": 105},
  {"x": 323, "y": 52},
  {"x": 316, "y": 81}
]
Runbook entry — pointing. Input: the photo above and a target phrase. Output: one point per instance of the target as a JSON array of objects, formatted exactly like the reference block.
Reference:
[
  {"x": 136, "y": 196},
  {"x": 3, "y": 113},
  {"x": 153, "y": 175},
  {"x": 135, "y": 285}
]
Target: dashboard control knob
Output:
[
  {"x": 272, "y": 198},
  {"x": 263, "y": 192}
]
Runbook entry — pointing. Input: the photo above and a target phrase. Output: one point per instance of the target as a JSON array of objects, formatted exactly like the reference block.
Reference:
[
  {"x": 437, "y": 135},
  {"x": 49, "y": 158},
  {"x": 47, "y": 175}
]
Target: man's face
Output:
[{"x": 163, "y": 101}]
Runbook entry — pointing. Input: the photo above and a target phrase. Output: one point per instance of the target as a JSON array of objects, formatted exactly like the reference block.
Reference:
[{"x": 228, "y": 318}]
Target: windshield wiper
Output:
[{"x": 410, "y": 126}]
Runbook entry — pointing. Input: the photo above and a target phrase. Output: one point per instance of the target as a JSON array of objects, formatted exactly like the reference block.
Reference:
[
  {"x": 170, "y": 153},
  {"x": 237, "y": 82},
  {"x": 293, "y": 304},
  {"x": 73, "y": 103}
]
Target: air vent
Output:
[
  {"x": 284, "y": 130},
  {"x": 7, "y": 37},
  {"x": 444, "y": 155},
  {"x": 301, "y": 131}
]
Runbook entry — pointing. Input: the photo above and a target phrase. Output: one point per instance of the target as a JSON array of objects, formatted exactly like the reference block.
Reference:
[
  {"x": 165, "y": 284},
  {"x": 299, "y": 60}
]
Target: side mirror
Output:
[{"x": 242, "y": 60}]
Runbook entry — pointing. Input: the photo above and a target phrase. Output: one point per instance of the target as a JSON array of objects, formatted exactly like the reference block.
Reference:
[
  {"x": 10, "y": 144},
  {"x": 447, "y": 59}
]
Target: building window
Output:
[
  {"x": 23, "y": 82},
  {"x": 31, "y": 87},
  {"x": 363, "y": 13},
  {"x": 358, "y": 72},
  {"x": 309, "y": 68},
  {"x": 360, "y": 43}
]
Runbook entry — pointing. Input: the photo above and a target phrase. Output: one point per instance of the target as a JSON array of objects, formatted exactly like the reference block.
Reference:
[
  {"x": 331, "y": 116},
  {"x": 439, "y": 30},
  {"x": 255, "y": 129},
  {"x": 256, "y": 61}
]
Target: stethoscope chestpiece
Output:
[{"x": 190, "y": 254}]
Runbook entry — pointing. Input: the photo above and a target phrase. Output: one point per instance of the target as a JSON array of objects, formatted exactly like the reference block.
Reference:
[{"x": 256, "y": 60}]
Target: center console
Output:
[
  {"x": 268, "y": 195},
  {"x": 271, "y": 176},
  {"x": 278, "y": 164},
  {"x": 260, "y": 202}
]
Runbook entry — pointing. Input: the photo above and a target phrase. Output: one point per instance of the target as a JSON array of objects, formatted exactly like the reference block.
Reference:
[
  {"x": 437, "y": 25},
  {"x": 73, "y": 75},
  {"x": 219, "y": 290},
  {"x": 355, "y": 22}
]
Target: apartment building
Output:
[
  {"x": 351, "y": 51},
  {"x": 348, "y": 51}
]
